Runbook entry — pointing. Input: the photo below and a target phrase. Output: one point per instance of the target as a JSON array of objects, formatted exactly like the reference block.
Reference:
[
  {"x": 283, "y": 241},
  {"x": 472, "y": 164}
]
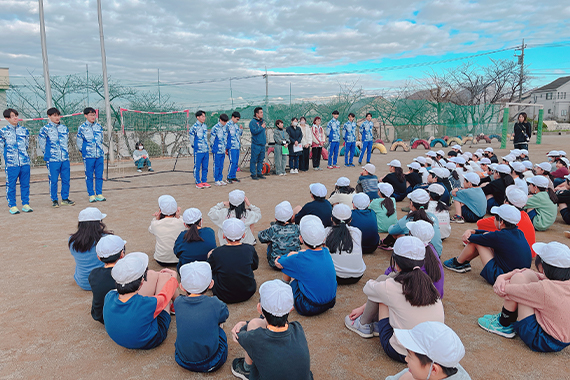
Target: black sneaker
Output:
[
  {"x": 235, "y": 180},
  {"x": 454, "y": 265},
  {"x": 229, "y": 181},
  {"x": 458, "y": 219},
  {"x": 55, "y": 204},
  {"x": 67, "y": 202},
  {"x": 254, "y": 177},
  {"x": 261, "y": 176},
  {"x": 238, "y": 369}
]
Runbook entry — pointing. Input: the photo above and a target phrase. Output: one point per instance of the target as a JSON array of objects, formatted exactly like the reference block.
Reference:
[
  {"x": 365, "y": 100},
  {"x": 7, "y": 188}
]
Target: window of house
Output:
[
  {"x": 549, "y": 111},
  {"x": 548, "y": 95},
  {"x": 563, "y": 112},
  {"x": 564, "y": 95}
]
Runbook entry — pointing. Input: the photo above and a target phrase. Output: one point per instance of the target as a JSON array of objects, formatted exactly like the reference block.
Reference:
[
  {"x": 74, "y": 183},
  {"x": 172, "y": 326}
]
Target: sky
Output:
[{"x": 195, "y": 41}]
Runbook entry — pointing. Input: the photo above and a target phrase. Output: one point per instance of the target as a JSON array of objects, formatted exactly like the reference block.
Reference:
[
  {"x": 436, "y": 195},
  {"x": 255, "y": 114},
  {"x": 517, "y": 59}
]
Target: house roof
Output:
[{"x": 554, "y": 85}]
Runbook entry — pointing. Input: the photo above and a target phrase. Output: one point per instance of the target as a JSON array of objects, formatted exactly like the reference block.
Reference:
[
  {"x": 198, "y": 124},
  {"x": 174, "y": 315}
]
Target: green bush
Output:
[{"x": 152, "y": 148}]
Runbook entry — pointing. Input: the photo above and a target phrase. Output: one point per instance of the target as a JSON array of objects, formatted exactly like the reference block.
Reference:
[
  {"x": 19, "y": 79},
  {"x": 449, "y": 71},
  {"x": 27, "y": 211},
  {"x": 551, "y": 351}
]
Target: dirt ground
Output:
[{"x": 47, "y": 330}]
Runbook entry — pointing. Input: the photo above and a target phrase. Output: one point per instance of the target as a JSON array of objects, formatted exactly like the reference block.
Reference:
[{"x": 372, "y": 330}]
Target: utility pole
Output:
[
  {"x": 266, "y": 95},
  {"x": 49, "y": 100},
  {"x": 231, "y": 93},
  {"x": 290, "y": 99},
  {"x": 158, "y": 88},
  {"x": 521, "y": 63},
  {"x": 87, "y": 82},
  {"x": 108, "y": 115}
]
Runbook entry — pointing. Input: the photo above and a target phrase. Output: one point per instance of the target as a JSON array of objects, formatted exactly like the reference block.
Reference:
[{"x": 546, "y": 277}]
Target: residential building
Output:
[{"x": 555, "y": 97}]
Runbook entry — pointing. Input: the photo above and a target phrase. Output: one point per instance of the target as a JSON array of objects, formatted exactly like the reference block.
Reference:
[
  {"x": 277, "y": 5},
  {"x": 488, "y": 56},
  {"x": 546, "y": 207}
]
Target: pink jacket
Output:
[{"x": 318, "y": 136}]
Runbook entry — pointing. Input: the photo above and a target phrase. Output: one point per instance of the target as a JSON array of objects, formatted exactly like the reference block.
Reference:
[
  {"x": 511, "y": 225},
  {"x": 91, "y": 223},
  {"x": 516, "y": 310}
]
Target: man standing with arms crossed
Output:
[{"x": 258, "y": 141}]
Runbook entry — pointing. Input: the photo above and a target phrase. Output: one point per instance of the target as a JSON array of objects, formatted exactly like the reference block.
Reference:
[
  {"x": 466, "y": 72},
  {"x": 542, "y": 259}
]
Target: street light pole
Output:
[
  {"x": 49, "y": 100},
  {"x": 108, "y": 115}
]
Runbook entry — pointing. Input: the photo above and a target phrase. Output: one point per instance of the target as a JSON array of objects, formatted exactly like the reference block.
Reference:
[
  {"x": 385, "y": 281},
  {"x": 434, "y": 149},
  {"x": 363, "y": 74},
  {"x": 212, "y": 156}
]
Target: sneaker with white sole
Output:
[
  {"x": 218, "y": 183},
  {"x": 238, "y": 369},
  {"x": 139, "y": 170},
  {"x": 14, "y": 210},
  {"x": 457, "y": 219},
  {"x": 494, "y": 326},
  {"x": 224, "y": 183},
  {"x": 364, "y": 330},
  {"x": 199, "y": 186},
  {"x": 454, "y": 265},
  {"x": 27, "y": 208}
]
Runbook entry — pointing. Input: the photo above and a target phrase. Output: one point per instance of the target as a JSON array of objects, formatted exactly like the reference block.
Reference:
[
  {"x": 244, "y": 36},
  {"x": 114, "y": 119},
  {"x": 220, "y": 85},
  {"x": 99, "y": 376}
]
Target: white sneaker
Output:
[
  {"x": 138, "y": 170},
  {"x": 218, "y": 183},
  {"x": 223, "y": 183},
  {"x": 292, "y": 171},
  {"x": 364, "y": 330},
  {"x": 281, "y": 174}
]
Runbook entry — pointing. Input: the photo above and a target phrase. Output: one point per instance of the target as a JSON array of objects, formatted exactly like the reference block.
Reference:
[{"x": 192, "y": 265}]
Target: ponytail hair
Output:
[
  {"x": 192, "y": 233},
  {"x": 417, "y": 286},
  {"x": 547, "y": 173},
  {"x": 431, "y": 264},
  {"x": 339, "y": 239},
  {"x": 420, "y": 213},
  {"x": 455, "y": 175},
  {"x": 551, "y": 194},
  {"x": 440, "y": 205},
  {"x": 507, "y": 179},
  {"x": 388, "y": 204},
  {"x": 240, "y": 210},
  {"x": 400, "y": 174}
]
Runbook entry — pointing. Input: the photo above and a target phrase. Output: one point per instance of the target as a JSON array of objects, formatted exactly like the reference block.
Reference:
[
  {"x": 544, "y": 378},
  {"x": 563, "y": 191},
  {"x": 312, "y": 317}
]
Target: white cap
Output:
[
  {"x": 236, "y": 197},
  {"x": 446, "y": 173},
  {"x": 196, "y": 276},
  {"x": 473, "y": 178},
  {"x": 516, "y": 152},
  {"x": 431, "y": 153},
  {"x": 468, "y": 155},
  {"x": 565, "y": 160},
  {"x": 436, "y": 188},
  {"x": 342, "y": 211},
  {"x": 422, "y": 230},
  {"x": 489, "y": 149},
  {"x": 456, "y": 146},
  {"x": 318, "y": 190},
  {"x": 91, "y": 214},
  {"x": 276, "y": 297},
  {"x": 429, "y": 161},
  {"x": 420, "y": 159},
  {"x": 478, "y": 154},
  {"x": 545, "y": 166},
  {"x": 283, "y": 211},
  {"x": 508, "y": 213},
  {"x": 485, "y": 161},
  {"x": 479, "y": 150},
  {"x": 553, "y": 253},
  {"x": 410, "y": 247},
  {"x": 516, "y": 196},
  {"x": 553, "y": 153},
  {"x": 419, "y": 196},
  {"x": 450, "y": 165},
  {"x": 524, "y": 151},
  {"x": 567, "y": 177},
  {"x": 438, "y": 172},
  {"x": 233, "y": 229},
  {"x": 191, "y": 215},
  {"x": 440, "y": 152},
  {"x": 562, "y": 153},
  {"x": 109, "y": 245},
  {"x": 130, "y": 268},
  {"x": 342, "y": 181},
  {"x": 509, "y": 158},
  {"x": 386, "y": 189},
  {"x": 458, "y": 160},
  {"x": 395, "y": 163},
  {"x": 434, "y": 340},
  {"x": 539, "y": 181},
  {"x": 502, "y": 168},
  {"x": 414, "y": 165},
  {"x": 312, "y": 230},
  {"x": 517, "y": 166},
  {"x": 167, "y": 205},
  {"x": 361, "y": 200},
  {"x": 528, "y": 165},
  {"x": 369, "y": 168}
]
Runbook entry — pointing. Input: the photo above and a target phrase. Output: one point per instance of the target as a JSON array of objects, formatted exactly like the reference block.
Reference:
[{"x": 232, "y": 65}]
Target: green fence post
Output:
[
  {"x": 539, "y": 127},
  {"x": 505, "y": 127}
]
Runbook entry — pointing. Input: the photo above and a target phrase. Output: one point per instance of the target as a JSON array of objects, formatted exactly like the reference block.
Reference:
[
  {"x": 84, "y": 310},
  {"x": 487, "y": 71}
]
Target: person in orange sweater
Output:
[
  {"x": 517, "y": 198},
  {"x": 536, "y": 304}
]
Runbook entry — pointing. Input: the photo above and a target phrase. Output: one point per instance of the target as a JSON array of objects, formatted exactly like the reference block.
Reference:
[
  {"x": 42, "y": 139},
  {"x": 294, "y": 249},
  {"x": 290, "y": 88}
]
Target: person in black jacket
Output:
[
  {"x": 523, "y": 131},
  {"x": 295, "y": 137}
]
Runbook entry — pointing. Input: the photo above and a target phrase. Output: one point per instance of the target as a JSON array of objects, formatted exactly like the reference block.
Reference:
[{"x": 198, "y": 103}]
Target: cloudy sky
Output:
[{"x": 192, "y": 41}]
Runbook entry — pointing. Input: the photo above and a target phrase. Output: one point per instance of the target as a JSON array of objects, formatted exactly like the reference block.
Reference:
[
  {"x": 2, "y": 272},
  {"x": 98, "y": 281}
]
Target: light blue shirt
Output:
[
  {"x": 198, "y": 135},
  {"x": 333, "y": 130},
  {"x": 349, "y": 129},
  {"x": 366, "y": 130},
  {"x": 14, "y": 143},
  {"x": 52, "y": 142},
  {"x": 219, "y": 138},
  {"x": 89, "y": 140},
  {"x": 234, "y": 135}
]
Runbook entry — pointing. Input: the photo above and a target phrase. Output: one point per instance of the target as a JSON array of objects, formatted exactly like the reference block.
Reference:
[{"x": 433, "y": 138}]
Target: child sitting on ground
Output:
[
  {"x": 434, "y": 352},
  {"x": 342, "y": 193},
  {"x": 283, "y": 236},
  {"x": 536, "y": 304},
  {"x": 319, "y": 206},
  {"x": 166, "y": 226},
  {"x": 274, "y": 348},
  {"x": 196, "y": 241},
  {"x": 439, "y": 208},
  {"x": 311, "y": 271},
  {"x": 345, "y": 245},
  {"x": 365, "y": 220},
  {"x": 541, "y": 205},
  {"x": 239, "y": 207},
  {"x": 201, "y": 343},
  {"x": 563, "y": 195},
  {"x": 109, "y": 250},
  {"x": 384, "y": 207},
  {"x": 470, "y": 201},
  {"x": 140, "y": 156},
  {"x": 137, "y": 313},
  {"x": 368, "y": 181},
  {"x": 233, "y": 264},
  {"x": 500, "y": 252},
  {"x": 400, "y": 302}
]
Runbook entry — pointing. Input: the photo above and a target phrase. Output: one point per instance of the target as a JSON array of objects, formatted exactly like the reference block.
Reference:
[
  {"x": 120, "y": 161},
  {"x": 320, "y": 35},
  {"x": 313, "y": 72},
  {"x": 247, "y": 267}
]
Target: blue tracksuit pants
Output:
[
  {"x": 201, "y": 166},
  {"x": 349, "y": 148},
  {"x": 257, "y": 158},
  {"x": 234, "y": 160},
  {"x": 219, "y": 166},
  {"x": 333, "y": 153},
  {"x": 56, "y": 170},
  {"x": 366, "y": 146},
  {"x": 94, "y": 165},
  {"x": 12, "y": 175}
]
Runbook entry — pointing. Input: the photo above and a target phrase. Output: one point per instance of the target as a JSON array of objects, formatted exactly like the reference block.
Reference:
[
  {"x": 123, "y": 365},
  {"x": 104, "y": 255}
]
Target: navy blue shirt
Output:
[
  {"x": 365, "y": 221},
  {"x": 320, "y": 208},
  {"x": 392, "y": 179},
  {"x": 196, "y": 250},
  {"x": 445, "y": 196},
  {"x": 510, "y": 246},
  {"x": 198, "y": 331},
  {"x": 101, "y": 283}
]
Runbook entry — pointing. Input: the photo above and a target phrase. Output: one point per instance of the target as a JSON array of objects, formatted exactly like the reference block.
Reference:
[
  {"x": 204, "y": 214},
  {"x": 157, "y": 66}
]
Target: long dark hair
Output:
[
  {"x": 546, "y": 173},
  {"x": 342, "y": 190},
  {"x": 339, "y": 238},
  {"x": 400, "y": 174},
  {"x": 388, "y": 204},
  {"x": 240, "y": 210},
  {"x": 552, "y": 272},
  {"x": 455, "y": 175},
  {"x": 87, "y": 235},
  {"x": 507, "y": 179},
  {"x": 417, "y": 286},
  {"x": 431, "y": 264},
  {"x": 420, "y": 213},
  {"x": 440, "y": 205},
  {"x": 192, "y": 233}
]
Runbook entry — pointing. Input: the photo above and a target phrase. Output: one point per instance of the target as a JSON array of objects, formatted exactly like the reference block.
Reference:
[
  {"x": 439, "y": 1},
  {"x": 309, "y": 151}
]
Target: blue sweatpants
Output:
[
  {"x": 257, "y": 158},
  {"x": 201, "y": 166},
  {"x": 94, "y": 165},
  {"x": 141, "y": 162},
  {"x": 333, "y": 153},
  {"x": 56, "y": 170},
  {"x": 349, "y": 148},
  {"x": 366, "y": 147},
  {"x": 12, "y": 175},
  {"x": 234, "y": 160},
  {"x": 219, "y": 166}
]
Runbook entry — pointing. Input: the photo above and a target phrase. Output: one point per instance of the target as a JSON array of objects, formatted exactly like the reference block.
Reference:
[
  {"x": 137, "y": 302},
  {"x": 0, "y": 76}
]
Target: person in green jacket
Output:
[
  {"x": 384, "y": 207},
  {"x": 541, "y": 205},
  {"x": 281, "y": 138}
]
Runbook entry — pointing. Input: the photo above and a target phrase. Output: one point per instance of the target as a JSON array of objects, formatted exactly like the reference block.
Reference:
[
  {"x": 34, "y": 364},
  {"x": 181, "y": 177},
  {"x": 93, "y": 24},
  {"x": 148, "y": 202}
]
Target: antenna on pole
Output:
[
  {"x": 105, "y": 84},
  {"x": 49, "y": 100}
]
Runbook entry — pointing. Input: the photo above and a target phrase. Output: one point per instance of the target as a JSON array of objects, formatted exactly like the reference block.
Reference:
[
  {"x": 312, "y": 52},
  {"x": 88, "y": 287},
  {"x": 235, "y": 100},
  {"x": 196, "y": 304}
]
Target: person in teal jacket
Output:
[
  {"x": 384, "y": 207},
  {"x": 541, "y": 206}
]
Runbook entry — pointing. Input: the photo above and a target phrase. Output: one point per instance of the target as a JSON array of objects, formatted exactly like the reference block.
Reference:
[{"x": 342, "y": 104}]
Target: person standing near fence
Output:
[
  {"x": 219, "y": 139},
  {"x": 280, "y": 151},
  {"x": 89, "y": 142},
  {"x": 14, "y": 142},
  {"x": 198, "y": 135},
  {"x": 318, "y": 142},
  {"x": 523, "y": 131},
  {"x": 366, "y": 137},
  {"x": 349, "y": 129},
  {"x": 295, "y": 138},
  {"x": 53, "y": 143},
  {"x": 233, "y": 146},
  {"x": 333, "y": 133},
  {"x": 306, "y": 143},
  {"x": 258, "y": 141}
]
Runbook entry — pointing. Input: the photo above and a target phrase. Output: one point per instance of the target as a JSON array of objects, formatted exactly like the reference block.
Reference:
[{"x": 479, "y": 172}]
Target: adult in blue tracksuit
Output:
[
  {"x": 258, "y": 141},
  {"x": 198, "y": 135},
  {"x": 349, "y": 130},
  {"x": 233, "y": 145},
  {"x": 52, "y": 142},
  {"x": 14, "y": 142},
  {"x": 366, "y": 136},
  {"x": 333, "y": 133},
  {"x": 90, "y": 143},
  {"x": 219, "y": 141}
]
